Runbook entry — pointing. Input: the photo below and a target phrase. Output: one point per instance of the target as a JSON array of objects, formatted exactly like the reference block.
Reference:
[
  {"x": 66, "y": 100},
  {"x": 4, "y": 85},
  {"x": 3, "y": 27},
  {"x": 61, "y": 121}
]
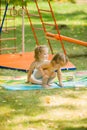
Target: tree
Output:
[{"x": 18, "y": 2}]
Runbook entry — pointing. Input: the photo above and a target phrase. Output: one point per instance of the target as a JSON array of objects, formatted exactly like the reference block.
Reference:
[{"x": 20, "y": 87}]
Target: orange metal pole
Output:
[
  {"x": 57, "y": 28},
  {"x": 69, "y": 39},
  {"x": 27, "y": 12}
]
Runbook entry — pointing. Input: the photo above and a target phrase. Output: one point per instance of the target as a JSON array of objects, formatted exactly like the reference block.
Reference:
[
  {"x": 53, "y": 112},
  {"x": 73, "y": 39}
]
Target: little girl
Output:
[
  {"x": 47, "y": 71},
  {"x": 41, "y": 56}
]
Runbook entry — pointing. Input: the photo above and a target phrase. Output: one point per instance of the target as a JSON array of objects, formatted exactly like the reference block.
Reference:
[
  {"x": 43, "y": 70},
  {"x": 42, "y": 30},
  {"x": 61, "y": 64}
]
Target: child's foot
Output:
[
  {"x": 46, "y": 86},
  {"x": 61, "y": 86},
  {"x": 50, "y": 84}
]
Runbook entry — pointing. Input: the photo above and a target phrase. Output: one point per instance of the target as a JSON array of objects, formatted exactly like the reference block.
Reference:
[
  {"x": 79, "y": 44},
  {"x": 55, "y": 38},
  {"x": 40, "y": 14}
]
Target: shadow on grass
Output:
[
  {"x": 76, "y": 128},
  {"x": 51, "y": 125},
  {"x": 26, "y": 108},
  {"x": 70, "y": 16}
]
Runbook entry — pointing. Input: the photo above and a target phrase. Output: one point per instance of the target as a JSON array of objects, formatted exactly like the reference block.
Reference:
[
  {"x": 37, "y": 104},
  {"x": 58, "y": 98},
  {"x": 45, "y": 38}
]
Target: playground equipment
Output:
[
  {"x": 44, "y": 23},
  {"x": 56, "y": 37},
  {"x": 50, "y": 36},
  {"x": 5, "y": 29},
  {"x": 22, "y": 60},
  {"x": 6, "y": 8}
]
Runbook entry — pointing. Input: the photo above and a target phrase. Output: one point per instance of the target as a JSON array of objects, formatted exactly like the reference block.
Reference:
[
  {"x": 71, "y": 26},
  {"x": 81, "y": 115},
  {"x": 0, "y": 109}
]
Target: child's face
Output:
[{"x": 44, "y": 55}]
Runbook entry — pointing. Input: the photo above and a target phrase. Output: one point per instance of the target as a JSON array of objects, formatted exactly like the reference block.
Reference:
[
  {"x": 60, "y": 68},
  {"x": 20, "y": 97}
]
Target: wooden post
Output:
[{"x": 23, "y": 31}]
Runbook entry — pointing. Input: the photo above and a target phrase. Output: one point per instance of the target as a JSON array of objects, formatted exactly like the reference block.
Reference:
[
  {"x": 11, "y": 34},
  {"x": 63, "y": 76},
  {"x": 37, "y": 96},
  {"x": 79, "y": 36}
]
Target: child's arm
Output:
[
  {"x": 43, "y": 68},
  {"x": 32, "y": 66},
  {"x": 59, "y": 75},
  {"x": 44, "y": 73}
]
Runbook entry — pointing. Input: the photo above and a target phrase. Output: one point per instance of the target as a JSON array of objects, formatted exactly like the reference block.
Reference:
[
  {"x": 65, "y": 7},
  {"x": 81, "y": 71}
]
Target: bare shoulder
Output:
[
  {"x": 42, "y": 63},
  {"x": 45, "y": 65},
  {"x": 33, "y": 64}
]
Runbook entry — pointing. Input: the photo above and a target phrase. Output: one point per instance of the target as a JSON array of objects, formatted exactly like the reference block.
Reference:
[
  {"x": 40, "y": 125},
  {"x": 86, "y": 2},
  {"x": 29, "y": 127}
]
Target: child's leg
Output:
[
  {"x": 34, "y": 80},
  {"x": 51, "y": 79},
  {"x": 45, "y": 82},
  {"x": 36, "y": 77}
]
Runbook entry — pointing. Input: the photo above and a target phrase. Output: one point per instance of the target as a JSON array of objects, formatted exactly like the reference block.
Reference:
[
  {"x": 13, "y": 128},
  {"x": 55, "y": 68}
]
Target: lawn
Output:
[{"x": 55, "y": 109}]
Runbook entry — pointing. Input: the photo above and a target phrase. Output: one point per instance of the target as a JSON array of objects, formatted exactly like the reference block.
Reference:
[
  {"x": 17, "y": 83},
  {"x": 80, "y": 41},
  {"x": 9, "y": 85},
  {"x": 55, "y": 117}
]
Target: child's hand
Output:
[
  {"x": 27, "y": 82},
  {"x": 45, "y": 85},
  {"x": 61, "y": 85}
]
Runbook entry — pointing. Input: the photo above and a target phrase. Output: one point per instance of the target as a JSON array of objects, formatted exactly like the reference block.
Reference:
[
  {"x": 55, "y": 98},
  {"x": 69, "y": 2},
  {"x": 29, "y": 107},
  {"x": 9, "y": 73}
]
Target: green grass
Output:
[
  {"x": 56, "y": 109},
  {"x": 66, "y": 109}
]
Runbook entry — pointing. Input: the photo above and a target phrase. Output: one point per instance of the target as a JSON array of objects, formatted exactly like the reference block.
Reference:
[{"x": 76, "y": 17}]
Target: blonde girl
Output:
[{"x": 41, "y": 56}]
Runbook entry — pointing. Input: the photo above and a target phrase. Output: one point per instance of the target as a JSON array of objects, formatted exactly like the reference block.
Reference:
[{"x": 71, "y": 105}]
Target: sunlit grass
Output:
[{"x": 48, "y": 109}]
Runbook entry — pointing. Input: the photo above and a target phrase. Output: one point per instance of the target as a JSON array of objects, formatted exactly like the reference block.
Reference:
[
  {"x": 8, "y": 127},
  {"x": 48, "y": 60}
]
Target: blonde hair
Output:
[
  {"x": 60, "y": 57},
  {"x": 39, "y": 50}
]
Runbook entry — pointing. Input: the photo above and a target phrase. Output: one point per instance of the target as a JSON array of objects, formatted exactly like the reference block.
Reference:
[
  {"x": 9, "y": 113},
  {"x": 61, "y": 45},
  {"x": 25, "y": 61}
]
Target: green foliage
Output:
[
  {"x": 72, "y": 1},
  {"x": 18, "y": 2},
  {"x": 24, "y": 2}
]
